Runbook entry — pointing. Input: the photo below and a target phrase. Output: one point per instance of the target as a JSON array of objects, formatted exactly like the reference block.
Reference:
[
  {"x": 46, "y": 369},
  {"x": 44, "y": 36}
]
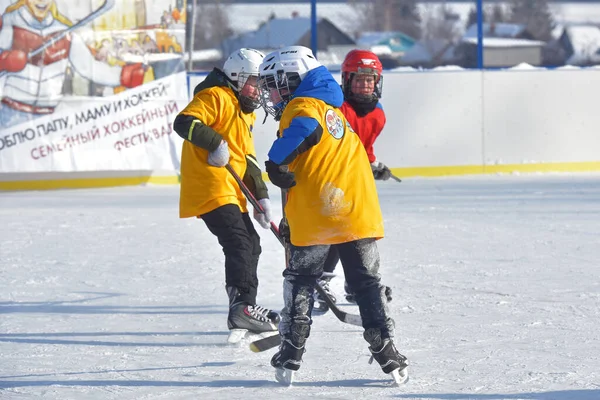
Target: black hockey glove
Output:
[
  {"x": 284, "y": 230},
  {"x": 380, "y": 171},
  {"x": 279, "y": 175}
]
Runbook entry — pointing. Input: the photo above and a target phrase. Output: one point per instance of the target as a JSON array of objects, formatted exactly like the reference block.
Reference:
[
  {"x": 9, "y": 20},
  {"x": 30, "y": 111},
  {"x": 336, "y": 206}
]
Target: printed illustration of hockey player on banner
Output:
[{"x": 79, "y": 76}]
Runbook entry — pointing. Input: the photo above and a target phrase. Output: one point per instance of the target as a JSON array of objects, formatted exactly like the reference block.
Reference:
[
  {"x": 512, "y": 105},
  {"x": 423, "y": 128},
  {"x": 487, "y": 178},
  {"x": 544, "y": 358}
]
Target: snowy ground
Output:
[{"x": 106, "y": 294}]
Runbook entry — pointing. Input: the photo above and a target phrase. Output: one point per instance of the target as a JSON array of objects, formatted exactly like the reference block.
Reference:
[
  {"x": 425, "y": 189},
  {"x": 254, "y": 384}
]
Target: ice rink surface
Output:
[{"x": 107, "y": 294}]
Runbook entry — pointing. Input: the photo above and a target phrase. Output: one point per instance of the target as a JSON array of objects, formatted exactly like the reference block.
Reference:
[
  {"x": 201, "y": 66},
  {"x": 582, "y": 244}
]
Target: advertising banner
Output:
[{"x": 89, "y": 85}]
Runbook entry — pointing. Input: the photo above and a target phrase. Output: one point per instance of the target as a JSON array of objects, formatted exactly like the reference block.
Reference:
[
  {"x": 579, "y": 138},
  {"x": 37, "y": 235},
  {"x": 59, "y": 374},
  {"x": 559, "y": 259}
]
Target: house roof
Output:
[
  {"x": 276, "y": 33},
  {"x": 429, "y": 49},
  {"x": 374, "y": 37},
  {"x": 501, "y": 30},
  {"x": 505, "y": 42},
  {"x": 394, "y": 40}
]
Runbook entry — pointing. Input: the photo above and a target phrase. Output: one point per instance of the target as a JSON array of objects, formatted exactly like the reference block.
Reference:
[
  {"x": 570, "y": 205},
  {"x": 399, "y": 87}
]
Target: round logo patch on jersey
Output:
[
  {"x": 335, "y": 127},
  {"x": 349, "y": 127}
]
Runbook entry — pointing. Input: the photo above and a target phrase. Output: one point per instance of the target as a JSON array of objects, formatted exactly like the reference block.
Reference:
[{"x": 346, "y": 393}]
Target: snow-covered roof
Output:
[
  {"x": 381, "y": 49},
  {"x": 585, "y": 40},
  {"x": 427, "y": 50},
  {"x": 502, "y": 30},
  {"x": 248, "y": 17},
  {"x": 505, "y": 42},
  {"x": 373, "y": 38},
  {"x": 276, "y": 33}
]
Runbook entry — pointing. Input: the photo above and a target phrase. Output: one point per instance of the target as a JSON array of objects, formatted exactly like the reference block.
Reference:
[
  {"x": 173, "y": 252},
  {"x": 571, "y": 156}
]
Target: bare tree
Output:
[
  {"x": 472, "y": 17},
  {"x": 497, "y": 13},
  {"x": 440, "y": 22},
  {"x": 388, "y": 15},
  {"x": 212, "y": 24},
  {"x": 535, "y": 15}
]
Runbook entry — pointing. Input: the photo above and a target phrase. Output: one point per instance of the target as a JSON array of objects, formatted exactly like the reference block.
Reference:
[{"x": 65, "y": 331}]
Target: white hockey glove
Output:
[
  {"x": 220, "y": 156},
  {"x": 264, "y": 219}
]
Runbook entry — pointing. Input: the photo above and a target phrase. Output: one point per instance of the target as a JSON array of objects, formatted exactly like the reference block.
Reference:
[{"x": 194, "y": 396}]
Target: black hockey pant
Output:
[
  {"x": 241, "y": 246},
  {"x": 333, "y": 256},
  {"x": 360, "y": 260}
]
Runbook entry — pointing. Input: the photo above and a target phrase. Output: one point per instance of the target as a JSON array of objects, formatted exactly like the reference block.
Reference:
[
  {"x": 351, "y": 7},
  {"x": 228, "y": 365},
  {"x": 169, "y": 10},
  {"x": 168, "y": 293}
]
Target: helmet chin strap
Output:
[
  {"x": 363, "y": 98},
  {"x": 362, "y": 108},
  {"x": 247, "y": 106}
]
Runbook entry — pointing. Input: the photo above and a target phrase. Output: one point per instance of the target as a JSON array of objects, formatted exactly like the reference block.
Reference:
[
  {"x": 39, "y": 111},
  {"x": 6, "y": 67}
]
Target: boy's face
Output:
[
  {"x": 363, "y": 84},
  {"x": 276, "y": 95},
  {"x": 250, "y": 88}
]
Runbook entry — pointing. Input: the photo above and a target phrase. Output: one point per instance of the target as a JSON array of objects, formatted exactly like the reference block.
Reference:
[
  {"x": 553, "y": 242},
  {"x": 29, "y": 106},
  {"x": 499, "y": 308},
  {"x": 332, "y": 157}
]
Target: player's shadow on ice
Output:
[
  {"x": 75, "y": 307},
  {"x": 105, "y": 371},
  {"x": 142, "y": 383},
  {"x": 582, "y": 394},
  {"x": 350, "y": 383},
  {"x": 70, "y": 338}
]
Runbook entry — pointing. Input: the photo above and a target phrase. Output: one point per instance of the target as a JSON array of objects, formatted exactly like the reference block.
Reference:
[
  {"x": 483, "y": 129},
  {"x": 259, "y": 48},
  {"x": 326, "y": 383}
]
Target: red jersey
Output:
[{"x": 367, "y": 127}]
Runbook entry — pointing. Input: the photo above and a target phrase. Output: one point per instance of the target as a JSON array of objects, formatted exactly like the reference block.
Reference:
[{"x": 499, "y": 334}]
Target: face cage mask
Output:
[
  {"x": 361, "y": 98},
  {"x": 247, "y": 104},
  {"x": 283, "y": 85}
]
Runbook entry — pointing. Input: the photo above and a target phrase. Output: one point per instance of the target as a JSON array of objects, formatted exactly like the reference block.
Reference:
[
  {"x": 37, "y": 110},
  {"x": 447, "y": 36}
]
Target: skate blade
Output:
[
  {"x": 328, "y": 275},
  {"x": 284, "y": 376},
  {"x": 320, "y": 309},
  {"x": 400, "y": 376},
  {"x": 236, "y": 335}
]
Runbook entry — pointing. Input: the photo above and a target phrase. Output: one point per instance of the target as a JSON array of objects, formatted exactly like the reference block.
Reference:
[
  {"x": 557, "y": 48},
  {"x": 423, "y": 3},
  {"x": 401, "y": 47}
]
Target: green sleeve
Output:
[
  {"x": 253, "y": 178},
  {"x": 193, "y": 130}
]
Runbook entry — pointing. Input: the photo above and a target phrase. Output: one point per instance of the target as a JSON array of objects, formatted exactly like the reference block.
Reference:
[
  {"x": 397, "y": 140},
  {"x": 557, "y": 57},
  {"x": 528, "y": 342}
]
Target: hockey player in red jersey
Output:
[{"x": 362, "y": 86}]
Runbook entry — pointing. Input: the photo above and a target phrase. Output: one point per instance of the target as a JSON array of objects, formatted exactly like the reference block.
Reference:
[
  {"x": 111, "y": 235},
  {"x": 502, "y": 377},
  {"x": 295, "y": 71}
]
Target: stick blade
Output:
[
  {"x": 343, "y": 316},
  {"x": 266, "y": 343}
]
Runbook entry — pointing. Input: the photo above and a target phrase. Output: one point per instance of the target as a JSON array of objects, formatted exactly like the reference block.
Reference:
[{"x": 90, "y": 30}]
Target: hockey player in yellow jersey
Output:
[
  {"x": 332, "y": 201},
  {"x": 217, "y": 130}
]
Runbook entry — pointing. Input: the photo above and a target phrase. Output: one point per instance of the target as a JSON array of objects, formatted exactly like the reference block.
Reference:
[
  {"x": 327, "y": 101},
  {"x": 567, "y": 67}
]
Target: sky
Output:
[{"x": 107, "y": 294}]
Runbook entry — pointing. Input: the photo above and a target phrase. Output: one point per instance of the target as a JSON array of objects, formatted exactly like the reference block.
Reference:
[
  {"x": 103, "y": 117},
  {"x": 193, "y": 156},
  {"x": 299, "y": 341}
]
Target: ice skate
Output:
[
  {"x": 284, "y": 376},
  {"x": 247, "y": 319},
  {"x": 391, "y": 361},
  {"x": 287, "y": 361}
]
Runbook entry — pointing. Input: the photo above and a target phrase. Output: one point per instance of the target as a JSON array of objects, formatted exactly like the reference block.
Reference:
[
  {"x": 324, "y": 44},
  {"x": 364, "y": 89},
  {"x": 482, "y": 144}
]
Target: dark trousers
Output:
[
  {"x": 332, "y": 259},
  {"x": 360, "y": 260},
  {"x": 241, "y": 246}
]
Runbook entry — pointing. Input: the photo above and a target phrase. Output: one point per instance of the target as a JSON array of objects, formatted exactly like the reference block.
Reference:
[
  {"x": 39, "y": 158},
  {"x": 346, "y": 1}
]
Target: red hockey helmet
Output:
[{"x": 361, "y": 62}]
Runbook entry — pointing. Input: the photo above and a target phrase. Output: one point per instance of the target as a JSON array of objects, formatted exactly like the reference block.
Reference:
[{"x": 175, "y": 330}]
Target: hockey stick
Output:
[
  {"x": 343, "y": 316},
  {"x": 253, "y": 201},
  {"x": 269, "y": 342},
  {"x": 107, "y": 5},
  {"x": 394, "y": 177}
]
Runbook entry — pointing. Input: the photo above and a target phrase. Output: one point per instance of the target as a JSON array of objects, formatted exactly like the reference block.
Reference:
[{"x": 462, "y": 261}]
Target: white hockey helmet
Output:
[
  {"x": 238, "y": 67},
  {"x": 280, "y": 75}
]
